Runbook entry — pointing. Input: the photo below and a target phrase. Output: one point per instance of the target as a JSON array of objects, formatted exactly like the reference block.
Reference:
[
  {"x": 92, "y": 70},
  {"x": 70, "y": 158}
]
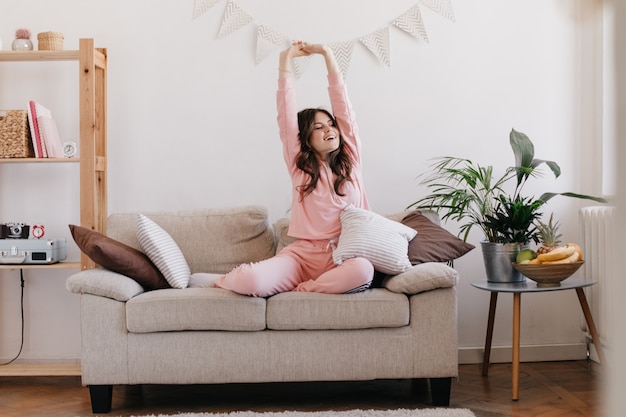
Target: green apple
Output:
[{"x": 526, "y": 256}]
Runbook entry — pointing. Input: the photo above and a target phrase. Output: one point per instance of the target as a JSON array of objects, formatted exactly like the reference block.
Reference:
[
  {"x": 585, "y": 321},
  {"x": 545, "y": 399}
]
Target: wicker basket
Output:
[
  {"x": 14, "y": 135},
  {"x": 50, "y": 41}
]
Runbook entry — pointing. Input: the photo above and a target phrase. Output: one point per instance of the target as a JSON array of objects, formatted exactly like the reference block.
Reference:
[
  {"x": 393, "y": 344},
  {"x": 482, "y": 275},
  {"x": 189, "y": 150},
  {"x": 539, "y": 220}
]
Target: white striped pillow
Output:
[
  {"x": 384, "y": 242},
  {"x": 163, "y": 251}
]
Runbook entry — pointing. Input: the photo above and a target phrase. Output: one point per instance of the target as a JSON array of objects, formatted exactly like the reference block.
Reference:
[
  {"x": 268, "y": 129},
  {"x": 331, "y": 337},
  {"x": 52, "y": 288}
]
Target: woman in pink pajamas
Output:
[{"x": 322, "y": 151}]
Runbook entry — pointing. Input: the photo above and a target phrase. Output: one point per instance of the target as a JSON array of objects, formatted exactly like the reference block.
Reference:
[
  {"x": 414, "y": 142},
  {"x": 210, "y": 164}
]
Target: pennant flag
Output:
[
  {"x": 299, "y": 65},
  {"x": 266, "y": 40},
  {"x": 201, "y": 6},
  {"x": 443, "y": 7},
  {"x": 412, "y": 23},
  {"x": 378, "y": 43},
  {"x": 234, "y": 18},
  {"x": 343, "y": 55}
]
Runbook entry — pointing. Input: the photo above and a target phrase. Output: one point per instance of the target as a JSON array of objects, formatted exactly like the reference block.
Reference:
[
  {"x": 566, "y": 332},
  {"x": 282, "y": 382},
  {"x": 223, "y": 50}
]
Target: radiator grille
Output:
[{"x": 597, "y": 234}]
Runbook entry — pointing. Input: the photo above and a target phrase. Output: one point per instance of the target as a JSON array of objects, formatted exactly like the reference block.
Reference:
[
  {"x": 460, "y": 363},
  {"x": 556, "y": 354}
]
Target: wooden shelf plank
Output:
[
  {"x": 58, "y": 265},
  {"x": 40, "y": 369},
  {"x": 37, "y": 160},
  {"x": 39, "y": 56}
]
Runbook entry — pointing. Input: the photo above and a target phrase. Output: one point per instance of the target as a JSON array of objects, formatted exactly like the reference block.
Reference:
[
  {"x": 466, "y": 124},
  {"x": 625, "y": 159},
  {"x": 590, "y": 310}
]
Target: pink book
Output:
[
  {"x": 50, "y": 136},
  {"x": 34, "y": 129},
  {"x": 41, "y": 110}
]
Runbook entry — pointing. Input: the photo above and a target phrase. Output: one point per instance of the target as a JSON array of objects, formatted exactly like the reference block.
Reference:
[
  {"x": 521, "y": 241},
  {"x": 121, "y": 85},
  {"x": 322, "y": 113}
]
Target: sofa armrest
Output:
[
  {"x": 422, "y": 277},
  {"x": 104, "y": 283}
]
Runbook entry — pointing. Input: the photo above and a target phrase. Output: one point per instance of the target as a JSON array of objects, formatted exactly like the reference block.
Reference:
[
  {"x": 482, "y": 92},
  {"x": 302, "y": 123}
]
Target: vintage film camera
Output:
[{"x": 14, "y": 231}]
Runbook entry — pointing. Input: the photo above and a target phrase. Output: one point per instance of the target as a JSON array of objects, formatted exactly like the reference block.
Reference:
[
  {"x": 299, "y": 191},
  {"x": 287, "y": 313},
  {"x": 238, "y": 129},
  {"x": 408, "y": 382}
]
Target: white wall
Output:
[{"x": 192, "y": 124}]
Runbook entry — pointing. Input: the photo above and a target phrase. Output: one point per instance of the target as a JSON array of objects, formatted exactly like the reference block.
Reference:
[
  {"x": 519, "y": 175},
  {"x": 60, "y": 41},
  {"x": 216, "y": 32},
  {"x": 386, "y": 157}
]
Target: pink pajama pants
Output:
[{"x": 306, "y": 265}]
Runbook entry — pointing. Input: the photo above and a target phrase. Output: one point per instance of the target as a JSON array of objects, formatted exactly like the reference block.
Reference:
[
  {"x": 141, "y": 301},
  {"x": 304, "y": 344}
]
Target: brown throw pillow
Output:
[
  {"x": 118, "y": 257},
  {"x": 433, "y": 243}
]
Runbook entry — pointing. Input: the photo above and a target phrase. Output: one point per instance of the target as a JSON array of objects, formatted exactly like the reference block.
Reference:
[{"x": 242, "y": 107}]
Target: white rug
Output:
[{"x": 425, "y": 412}]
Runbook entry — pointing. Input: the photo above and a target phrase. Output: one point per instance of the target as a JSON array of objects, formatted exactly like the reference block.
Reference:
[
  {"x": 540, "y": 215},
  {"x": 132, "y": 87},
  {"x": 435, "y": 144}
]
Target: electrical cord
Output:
[{"x": 22, "y": 311}]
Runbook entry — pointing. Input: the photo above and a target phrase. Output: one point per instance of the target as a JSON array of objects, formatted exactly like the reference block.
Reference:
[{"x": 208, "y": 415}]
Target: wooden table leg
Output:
[
  {"x": 590, "y": 324},
  {"x": 516, "y": 341},
  {"x": 489, "y": 336}
]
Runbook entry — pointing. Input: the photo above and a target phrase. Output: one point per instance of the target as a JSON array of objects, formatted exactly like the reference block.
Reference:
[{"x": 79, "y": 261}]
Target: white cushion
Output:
[
  {"x": 369, "y": 235},
  {"x": 163, "y": 251}
]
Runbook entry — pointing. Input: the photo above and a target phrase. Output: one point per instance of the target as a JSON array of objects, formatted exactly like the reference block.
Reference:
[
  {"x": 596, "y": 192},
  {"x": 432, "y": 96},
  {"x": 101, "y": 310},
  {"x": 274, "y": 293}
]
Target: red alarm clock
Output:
[{"x": 38, "y": 231}]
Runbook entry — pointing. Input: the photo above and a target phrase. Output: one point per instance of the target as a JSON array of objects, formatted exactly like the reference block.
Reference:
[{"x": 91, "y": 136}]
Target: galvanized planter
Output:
[{"x": 498, "y": 258}]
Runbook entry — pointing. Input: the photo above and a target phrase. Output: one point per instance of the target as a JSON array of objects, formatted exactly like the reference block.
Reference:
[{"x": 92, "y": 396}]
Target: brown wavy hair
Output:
[{"x": 339, "y": 161}]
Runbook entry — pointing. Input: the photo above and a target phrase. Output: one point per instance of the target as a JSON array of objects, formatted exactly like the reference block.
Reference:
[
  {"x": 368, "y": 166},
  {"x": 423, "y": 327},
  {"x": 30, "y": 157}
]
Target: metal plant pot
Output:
[{"x": 498, "y": 258}]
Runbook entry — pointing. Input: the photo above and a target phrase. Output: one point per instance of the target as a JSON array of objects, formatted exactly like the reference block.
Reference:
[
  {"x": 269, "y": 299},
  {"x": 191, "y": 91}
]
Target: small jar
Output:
[{"x": 22, "y": 45}]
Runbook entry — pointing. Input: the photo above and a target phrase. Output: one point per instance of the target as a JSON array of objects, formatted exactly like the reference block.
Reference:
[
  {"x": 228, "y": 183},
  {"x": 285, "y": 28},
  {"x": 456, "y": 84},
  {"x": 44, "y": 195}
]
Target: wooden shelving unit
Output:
[{"x": 92, "y": 78}]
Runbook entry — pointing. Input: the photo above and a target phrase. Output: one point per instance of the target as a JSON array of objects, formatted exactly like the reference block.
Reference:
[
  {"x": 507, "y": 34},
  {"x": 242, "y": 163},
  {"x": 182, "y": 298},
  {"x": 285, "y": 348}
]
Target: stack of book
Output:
[{"x": 43, "y": 131}]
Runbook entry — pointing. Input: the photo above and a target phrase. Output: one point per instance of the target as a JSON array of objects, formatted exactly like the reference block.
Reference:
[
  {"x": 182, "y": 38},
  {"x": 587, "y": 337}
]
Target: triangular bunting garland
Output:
[
  {"x": 266, "y": 41},
  {"x": 378, "y": 43},
  {"x": 343, "y": 55},
  {"x": 299, "y": 65},
  {"x": 443, "y": 7},
  {"x": 201, "y": 6},
  {"x": 412, "y": 23},
  {"x": 234, "y": 18}
]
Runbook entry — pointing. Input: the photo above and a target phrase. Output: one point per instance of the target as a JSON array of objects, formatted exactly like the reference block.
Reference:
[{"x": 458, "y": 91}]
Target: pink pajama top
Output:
[{"x": 317, "y": 215}]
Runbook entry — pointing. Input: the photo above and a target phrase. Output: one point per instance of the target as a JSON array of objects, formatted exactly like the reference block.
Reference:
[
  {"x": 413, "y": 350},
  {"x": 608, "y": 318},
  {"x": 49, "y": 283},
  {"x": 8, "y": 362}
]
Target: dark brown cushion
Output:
[
  {"x": 432, "y": 243},
  {"x": 118, "y": 257}
]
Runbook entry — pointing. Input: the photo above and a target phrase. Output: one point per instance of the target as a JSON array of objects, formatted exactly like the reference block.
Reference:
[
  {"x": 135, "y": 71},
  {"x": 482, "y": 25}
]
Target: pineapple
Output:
[{"x": 549, "y": 236}]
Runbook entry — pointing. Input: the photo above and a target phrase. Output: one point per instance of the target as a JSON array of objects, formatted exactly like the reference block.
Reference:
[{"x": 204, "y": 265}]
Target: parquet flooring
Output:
[{"x": 547, "y": 389}]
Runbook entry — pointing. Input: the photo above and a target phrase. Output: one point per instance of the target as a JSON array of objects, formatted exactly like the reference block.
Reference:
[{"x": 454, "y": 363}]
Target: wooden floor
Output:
[{"x": 547, "y": 389}]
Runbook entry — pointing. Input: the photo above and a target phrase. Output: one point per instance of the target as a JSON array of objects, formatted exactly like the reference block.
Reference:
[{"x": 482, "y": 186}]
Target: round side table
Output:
[{"x": 529, "y": 286}]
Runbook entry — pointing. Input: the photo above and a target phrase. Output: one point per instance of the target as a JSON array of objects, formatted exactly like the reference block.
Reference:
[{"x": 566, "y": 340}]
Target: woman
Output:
[{"x": 322, "y": 153}]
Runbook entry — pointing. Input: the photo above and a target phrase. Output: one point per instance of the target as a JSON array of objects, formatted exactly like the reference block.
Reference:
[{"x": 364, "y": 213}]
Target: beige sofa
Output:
[{"x": 406, "y": 328}]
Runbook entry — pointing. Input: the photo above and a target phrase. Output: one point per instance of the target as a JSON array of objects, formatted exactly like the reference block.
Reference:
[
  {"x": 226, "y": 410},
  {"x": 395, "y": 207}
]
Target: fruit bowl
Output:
[{"x": 548, "y": 275}]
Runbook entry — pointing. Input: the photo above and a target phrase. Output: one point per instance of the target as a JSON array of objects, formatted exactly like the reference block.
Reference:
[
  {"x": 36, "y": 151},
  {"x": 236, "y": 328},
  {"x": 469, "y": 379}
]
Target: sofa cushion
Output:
[
  {"x": 423, "y": 277},
  {"x": 433, "y": 243},
  {"x": 213, "y": 240},
  {"x": 369, "y": 235},
  {"x": 373, "y": 308},
  {"x": 281, "y": 229},
  {"x": 203, "y": 280},
  {"x": 118, "y": 257},
  {"x": 103, "y": 283},
  {"x": 194, "y": 309},
  {"x": 163, "y": 252}
]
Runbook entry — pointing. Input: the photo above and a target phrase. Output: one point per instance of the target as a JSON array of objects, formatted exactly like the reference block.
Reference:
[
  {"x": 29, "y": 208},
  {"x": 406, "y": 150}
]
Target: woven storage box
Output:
[
  {"x": 14, "y": 135},
  {"x": 50, "y": 41}
]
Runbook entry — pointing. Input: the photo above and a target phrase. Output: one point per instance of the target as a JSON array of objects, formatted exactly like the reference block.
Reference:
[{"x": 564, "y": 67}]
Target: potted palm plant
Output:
[{"x": 471, "y": 194}]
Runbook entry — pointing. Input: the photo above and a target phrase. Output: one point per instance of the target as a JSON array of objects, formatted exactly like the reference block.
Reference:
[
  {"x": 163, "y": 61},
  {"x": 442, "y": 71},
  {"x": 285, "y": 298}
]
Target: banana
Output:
[
  {"x": 557, "y": 254},
  {"x": 578, "y": 249},
  {"x": 574, "y": 257},
  {"x": 534, "y": 262}
]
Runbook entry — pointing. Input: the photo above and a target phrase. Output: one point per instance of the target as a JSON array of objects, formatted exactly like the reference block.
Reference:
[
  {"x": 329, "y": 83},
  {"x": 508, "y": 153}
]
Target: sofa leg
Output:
[
  {"x": 101, "y": 397},
  {"x": 440, "y": 391}
]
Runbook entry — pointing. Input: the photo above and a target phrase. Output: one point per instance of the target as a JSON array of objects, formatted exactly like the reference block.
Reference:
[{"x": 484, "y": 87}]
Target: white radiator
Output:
[{"x": 597, "y": 228}]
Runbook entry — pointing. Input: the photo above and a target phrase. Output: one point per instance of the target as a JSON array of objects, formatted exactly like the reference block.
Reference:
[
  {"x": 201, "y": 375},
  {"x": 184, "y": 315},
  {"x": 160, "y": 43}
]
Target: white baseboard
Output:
[
  {"x": 535, "y": 353},
  {"x": 469, "y": 355}
]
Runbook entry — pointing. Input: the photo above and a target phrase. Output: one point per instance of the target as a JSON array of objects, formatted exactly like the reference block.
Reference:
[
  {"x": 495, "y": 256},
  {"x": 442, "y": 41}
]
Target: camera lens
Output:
[{"x": 16, "y": 230}]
